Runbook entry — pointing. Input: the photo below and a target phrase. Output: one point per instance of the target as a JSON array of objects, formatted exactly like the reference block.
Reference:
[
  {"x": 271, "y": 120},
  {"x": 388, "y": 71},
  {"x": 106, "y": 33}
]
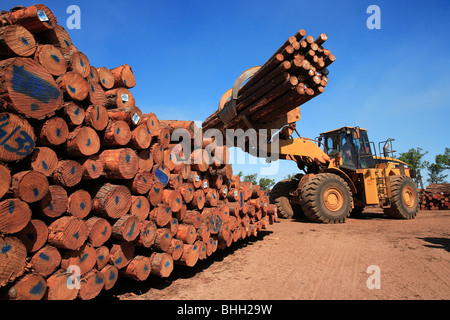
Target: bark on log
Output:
[
  {"x": 28, "y": 88},
  {"x": 15, "y": 40},
  {"x": 51, "y": 59},
  {"x": 67, "y": 233},
  {"x": 15, "y": 214},
  {"x": 29, "y": 185},
  {"x": 46, "y": 260}
]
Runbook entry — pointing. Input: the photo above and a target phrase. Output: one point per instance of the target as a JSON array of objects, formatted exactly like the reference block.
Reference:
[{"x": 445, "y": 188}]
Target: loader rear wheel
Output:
[
  {"x": 404, "y": 199},
  {"x": 279, "y": 195},
  {"x": 326, "y": 198}
]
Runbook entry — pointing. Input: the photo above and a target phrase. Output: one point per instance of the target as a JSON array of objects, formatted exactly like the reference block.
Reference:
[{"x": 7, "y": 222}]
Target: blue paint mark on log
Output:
[
  {"x": 112, "y": 276},
  {"x": 104, "y": 230},
  {"x": 72, "y": 89},
  {"x": 156, "y": 189},
  {"x": 55, "y": 58},
  {"x": 67, "y": 43},
  {"x": 116, "y": 199},
  {"x": 130, "y": 233},
  {"x": 25, "y": 41},
  {"x": 50, "y": 205},
  {"x": 118, "y": 131},
  {"x": 81, "y": 63},
  {"x": 33, "y": 86},
  {"x": 72, "y": 170},
  {"x": 178, "y": 200},
  {"x": 6, "y": 248},
  {"x": 82, "y": 205},
  {"x": 167, "y": 210},
  {"x": 43, "y": 256},
  {"x": 77, "y": 111},
  {"x": 143, "y": 179},
  {"x": 118, "y": 260},
  {"x": 101, "y": 257},
  {"x": 34, "y": 107},
  {"x": 58, "y": 132},
  {"x": 37, "y": 289},
  {"x": 93, "y": 167},
  {"x": 84, "y": 257},
  {"x": 98, "y": 113},
  {"x": 98, "y": 279},
  {"x": 44, "y": 165},
  {"x": 161, "y": 176},
  {"x": 76, "y": 235},
  {"x": 167, "y": 264},
  {"x": 36, "y": 192},
  {"x": 177, "y": 247},
  {"x": 139, "y": 204},
  {"x": 127, "y": 158},
  {"x": 11, "y": 207},
  {"x": 92, "y": 75},
  {"x": 166, "y": 236},
  {"x": 88, "y": 143},
  {"x": 92, "y": 88},
  {"x": 145, "y": 267},
  {"x": 103, "y": 81}
]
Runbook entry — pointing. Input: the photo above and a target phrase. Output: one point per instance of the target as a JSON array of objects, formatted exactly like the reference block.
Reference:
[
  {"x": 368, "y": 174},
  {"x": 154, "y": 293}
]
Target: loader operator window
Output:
[
  {"x": 333, "y": 146},
  {"x": 349, "y": 155},
  {"x": 363, "y": 150}
]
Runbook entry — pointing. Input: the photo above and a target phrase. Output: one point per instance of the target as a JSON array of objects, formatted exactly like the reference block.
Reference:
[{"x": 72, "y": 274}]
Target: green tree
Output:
[
  {"x": 436, "y": 169},
  {"x": 266, "y": 183},
  {"x": 290, "y": 176},
  {"x": 414, "y": 158},
  {"x": 251, "y": 178}
]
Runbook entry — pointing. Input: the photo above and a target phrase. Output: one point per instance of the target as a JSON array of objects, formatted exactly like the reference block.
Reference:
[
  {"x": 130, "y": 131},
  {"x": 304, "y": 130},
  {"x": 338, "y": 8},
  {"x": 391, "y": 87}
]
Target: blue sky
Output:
[{"x": 185, "y": 54}]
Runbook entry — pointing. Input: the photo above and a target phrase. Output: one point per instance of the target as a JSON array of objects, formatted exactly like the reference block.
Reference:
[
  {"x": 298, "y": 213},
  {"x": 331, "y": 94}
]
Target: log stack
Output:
[
  {"x": 91, "y": 188},
  {"x": 293, "y": 75},
  {"x": 436, "y": 196}
]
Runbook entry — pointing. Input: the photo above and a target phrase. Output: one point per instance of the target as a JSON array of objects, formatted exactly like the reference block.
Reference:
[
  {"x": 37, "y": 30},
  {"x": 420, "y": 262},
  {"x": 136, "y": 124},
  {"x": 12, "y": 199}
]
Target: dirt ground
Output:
[{"x": 298, "y": 260}]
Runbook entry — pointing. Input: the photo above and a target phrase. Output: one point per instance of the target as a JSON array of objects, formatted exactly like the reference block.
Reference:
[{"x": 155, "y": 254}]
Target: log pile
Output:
[
  {"x": 91, "y": 188},
  {"x": 436, "y": 196},
  {"x": 294, "y": 74}
]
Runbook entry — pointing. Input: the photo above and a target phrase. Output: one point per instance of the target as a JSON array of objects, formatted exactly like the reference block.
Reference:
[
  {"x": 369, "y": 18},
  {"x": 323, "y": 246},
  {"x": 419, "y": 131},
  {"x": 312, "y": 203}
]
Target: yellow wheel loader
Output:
[
  {"x": 343, "y": 177},
  {"x": 342, "y": 171}
]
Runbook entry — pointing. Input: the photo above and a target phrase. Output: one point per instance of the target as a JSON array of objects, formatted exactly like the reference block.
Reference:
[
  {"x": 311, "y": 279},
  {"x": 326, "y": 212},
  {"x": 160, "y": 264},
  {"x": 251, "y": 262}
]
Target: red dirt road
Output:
[{"x": 296, "y": 260}]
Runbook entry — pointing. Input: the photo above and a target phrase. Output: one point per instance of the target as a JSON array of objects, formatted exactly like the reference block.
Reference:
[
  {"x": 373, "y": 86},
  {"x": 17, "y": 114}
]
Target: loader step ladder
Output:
[
  {"x": 383, "y": 192},
  {"x": 382, "y": 179}
]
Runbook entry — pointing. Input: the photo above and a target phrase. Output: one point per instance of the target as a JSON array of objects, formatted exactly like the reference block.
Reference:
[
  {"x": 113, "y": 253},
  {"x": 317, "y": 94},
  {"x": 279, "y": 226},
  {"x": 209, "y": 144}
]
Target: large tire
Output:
[
  {"x": 404, "y": 198},
  {"x": 279, "y": 195},
  {"x": 326, "y": 198}
]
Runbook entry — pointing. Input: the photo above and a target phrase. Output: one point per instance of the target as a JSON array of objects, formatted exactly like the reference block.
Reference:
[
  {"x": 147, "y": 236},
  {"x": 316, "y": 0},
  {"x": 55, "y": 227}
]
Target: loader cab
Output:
[{"x": 352, "y": 145}]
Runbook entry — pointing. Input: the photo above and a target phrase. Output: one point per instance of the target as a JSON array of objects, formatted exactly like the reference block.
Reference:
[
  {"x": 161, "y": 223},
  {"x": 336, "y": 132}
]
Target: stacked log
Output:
[
  {"x": 91, "y": 189},
  {"x": 294, "y": 74},
  {"x": 436, "y": 196}
]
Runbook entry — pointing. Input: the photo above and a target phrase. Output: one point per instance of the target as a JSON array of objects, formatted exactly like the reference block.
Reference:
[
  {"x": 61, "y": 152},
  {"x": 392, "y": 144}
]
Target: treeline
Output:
[{"x": 436, "y": 170}]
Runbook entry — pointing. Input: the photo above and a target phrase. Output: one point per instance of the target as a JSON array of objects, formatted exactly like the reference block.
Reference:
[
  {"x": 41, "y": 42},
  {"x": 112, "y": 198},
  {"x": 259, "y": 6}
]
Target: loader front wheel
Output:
[
  {"x": 326, "y": 198},
  {"x": 279, "y": 195},
  {"x": 404, "y": 199}
]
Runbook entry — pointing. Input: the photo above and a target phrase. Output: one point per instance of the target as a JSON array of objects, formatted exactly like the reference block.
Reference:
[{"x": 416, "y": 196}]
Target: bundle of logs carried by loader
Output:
[
  {"x": 89, "y": 189},
  {"x": 436, "y": 196},
  {"x": 293, "y": 75}
]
